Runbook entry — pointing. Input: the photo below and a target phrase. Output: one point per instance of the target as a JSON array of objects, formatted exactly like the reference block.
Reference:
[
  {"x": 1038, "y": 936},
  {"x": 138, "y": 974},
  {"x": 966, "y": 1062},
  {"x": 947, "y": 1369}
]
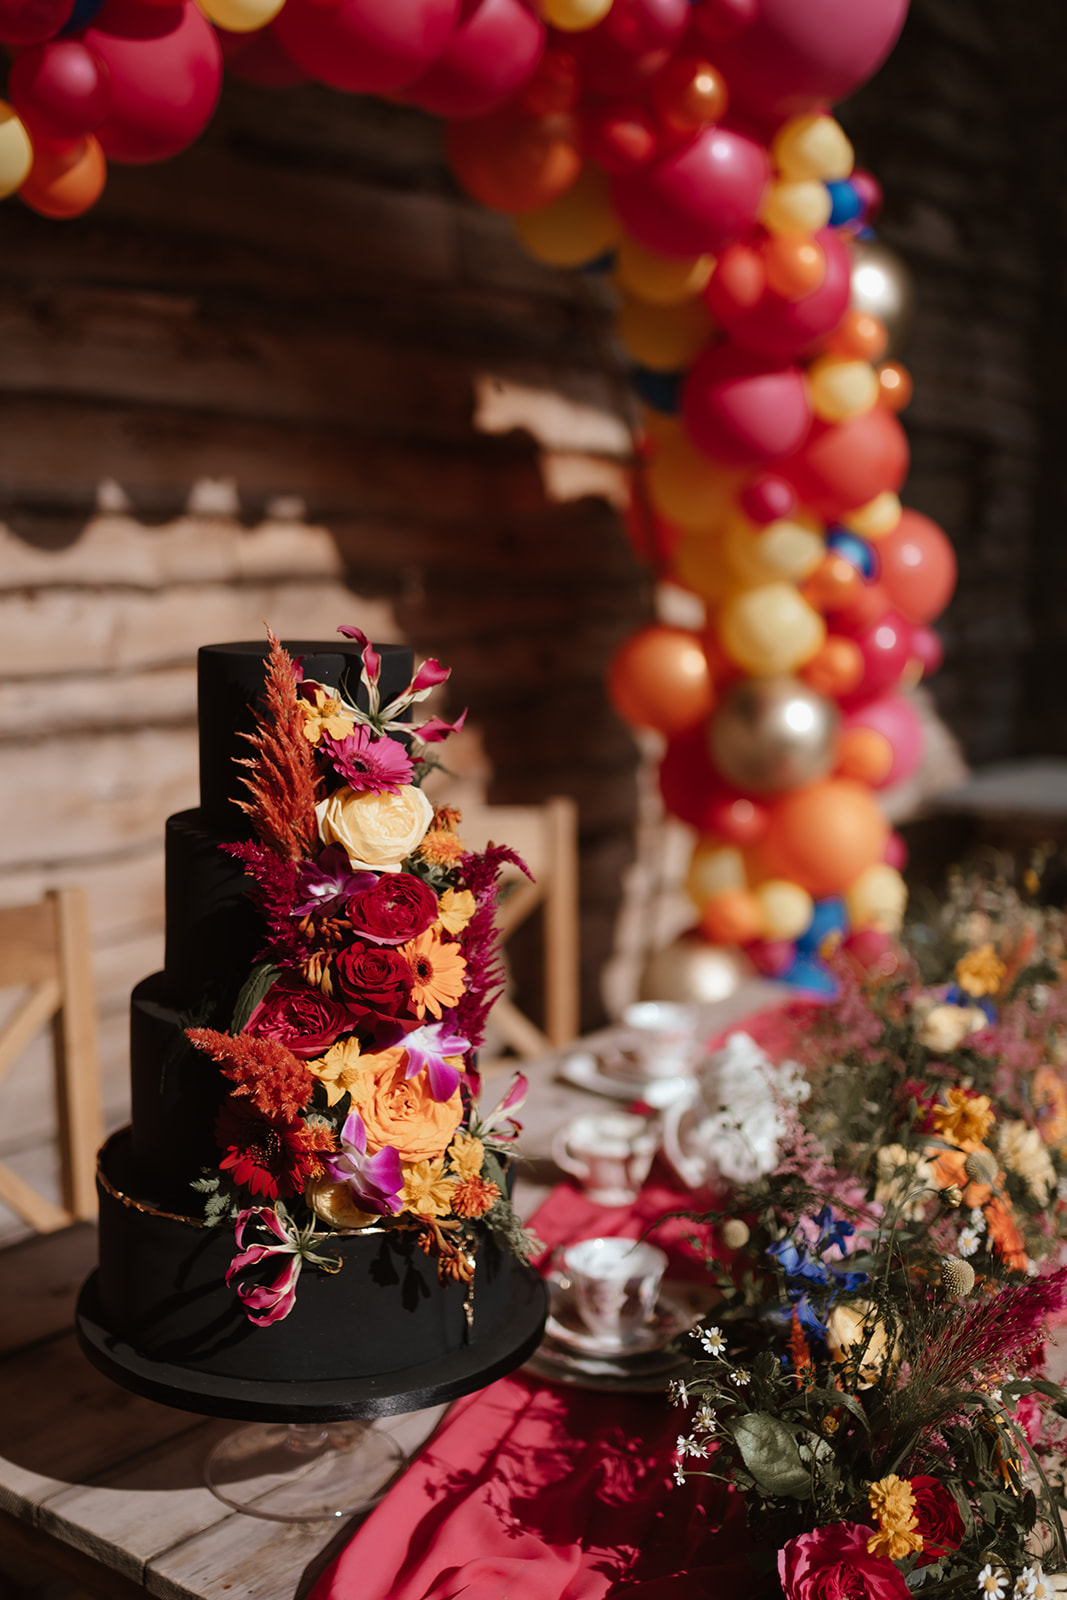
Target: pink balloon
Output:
[
  {"x": 896, "y": 720},
  {"x": 843, "y": 465},
  {"x": 767, "y": 498},
  {"x": 166, "y": 70},
  {"x": 797, "y": 54},
  {"x": 631, "y": 44},
  {"x": 927, "y": 650},
  {"x": 918, "y": 567},
  {"x": 60, "y": 90},
  {"x": 259, "y": 58},
  {"x": 896, "y": 852},
  {"x": 365, "y": 46},
  {"x": 784, "y": 328},
  {"x": 25, "y": 22},
  {"x": 742, "y": 410},
  {"x": 696, "y": 199},
  {"x": 485, "y": 62},
  {"x": 771, "y": 957},
  {"x": 886, "y": 650}
]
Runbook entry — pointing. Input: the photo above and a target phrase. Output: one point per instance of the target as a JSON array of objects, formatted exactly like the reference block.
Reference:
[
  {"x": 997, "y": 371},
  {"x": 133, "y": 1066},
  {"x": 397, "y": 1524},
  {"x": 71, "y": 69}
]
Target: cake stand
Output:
[{"x": 311, "y": 1452}]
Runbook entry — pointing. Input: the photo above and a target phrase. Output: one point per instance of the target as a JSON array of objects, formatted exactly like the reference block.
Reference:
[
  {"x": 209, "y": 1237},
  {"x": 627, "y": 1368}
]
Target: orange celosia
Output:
[
  {"x": 438, "y": 973},
  {"x": 965, "y": 1116},
  {"x": 1005, "y": 1234}
]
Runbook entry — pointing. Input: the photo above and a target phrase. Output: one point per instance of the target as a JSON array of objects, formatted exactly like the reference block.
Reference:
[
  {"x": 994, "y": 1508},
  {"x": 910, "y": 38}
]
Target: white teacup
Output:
[
  {"x": 615, "y": 1284},
  {"x": 664, "y": 1037},
  {"x": 609, "y": 1154}
]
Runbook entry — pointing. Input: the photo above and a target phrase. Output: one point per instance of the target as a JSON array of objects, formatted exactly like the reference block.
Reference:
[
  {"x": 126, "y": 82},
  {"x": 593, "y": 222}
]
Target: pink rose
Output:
[
  {"x": 302, "y": 1019},
  {"x": 938, "y": 1518},
  {"x": 833, "y": 1564},
  {"x": 394, "y": 909}
]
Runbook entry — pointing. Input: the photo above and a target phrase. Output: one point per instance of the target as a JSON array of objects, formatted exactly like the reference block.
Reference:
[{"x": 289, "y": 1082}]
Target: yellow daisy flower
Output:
[
  {"x": 325, "y": 715},
  {"x": 467, "y": 1154},
  {"x": 980, "y": 971},
  {"x": 426, "y": 1189},
  {"x": 454, "y": 910}
]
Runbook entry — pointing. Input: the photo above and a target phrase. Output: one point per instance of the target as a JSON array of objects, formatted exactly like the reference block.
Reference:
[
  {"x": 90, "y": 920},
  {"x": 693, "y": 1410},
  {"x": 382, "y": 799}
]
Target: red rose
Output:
[
  {"x": 938, "y": 1518},
  {"x": 396, "y": 908},
  {"x": 833, "y": 1564},
  {"x": 302, "y": 1019},
  {"x": 373, "y": 980}
]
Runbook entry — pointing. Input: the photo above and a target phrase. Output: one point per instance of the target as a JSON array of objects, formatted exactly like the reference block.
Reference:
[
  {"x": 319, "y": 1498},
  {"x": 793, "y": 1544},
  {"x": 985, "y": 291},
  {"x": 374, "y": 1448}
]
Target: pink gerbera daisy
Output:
[{"x": 368, "y": 763}]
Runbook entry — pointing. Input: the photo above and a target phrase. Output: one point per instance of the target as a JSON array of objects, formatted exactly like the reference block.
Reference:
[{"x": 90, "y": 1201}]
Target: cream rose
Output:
[
  {"x": 376, "y": 830},
  {"x": 857, "y": 1326},
  {"x": 946, "y": 1026}
]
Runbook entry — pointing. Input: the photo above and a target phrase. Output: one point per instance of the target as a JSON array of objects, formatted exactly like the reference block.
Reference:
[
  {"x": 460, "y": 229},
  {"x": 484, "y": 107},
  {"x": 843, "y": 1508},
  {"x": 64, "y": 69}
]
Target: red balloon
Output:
[
  {"x": 554, "y": 85},
  {"x": 896, "y": 852},
  {"x": 511, "y": 162},
  {"x": 25, "y": 22},
  {"x": 687, "y": 780},
  {"x": 861, "y": 610},
  {"x": 165, "y": 66},
  {"x": 869, "y": 190},
  {"x": 843, "y": 465},
  {"x": 897, "y": 720},
  {"x": 771, "y": 957},
  {"x": 743, "y": 411},
  {"x": 364, "y": 46},
  {"x": 768, "y": 499},
  {"x": 60, "y": 90},
  {"x": 796, "y": 55},
  {"x": 259, "y": 58},
  {"x": 736, "y": 818},
  {"x": 630, "y": 45},
  {"x": 927, "y": 650},
  {"x": 716, "y": 20},
  {"x": 886, "y": 651},
  {"x": 487, "y": 60},
  {"x": 775, "y": 326},
  {"x": 918, "y": 567},
  {"x": 698, "y": 198},
  {"x": 619, "y": 135}
]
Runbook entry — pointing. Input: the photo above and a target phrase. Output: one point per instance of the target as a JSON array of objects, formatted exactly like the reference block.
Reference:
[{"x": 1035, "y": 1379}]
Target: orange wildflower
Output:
[
  {"x": 438, "y": 973},
  {"x": 980, "y": 972},
  {"x": 473, "y": 1197},
  {"x": 964, "y": 1116},
  {"x": 948, "y": 1171},
  {"x": 1005, "y": 1234},
  {"x": 442, "y": 848}
]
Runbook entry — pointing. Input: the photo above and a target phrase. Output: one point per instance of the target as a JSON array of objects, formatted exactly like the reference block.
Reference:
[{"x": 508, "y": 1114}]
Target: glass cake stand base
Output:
[{"x": 293, "y": 1472}]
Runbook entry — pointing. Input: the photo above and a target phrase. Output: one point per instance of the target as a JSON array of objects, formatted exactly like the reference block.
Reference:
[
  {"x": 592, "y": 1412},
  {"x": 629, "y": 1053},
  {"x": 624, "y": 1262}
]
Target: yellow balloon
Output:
[
  {"x": 877, "y": 899},
  {"x": 842, "y": 388},
  {"x": 574, "y": 16},
  {"x": 713, "y": 868},
  {"x": 573, "y": 229},
  {"x": 877, "y": 518},
  {"x": 802, "y": 207},
  {"x": 770, "y": 630},
  {"x": 241, "y": 16},
  {"x": 658, "y": 426},
  {"x": 812, "y": 146},
  {"x": 699, "y": 563},
  {"x": 16, "y": 151},
  {"x": 661, "y": 280},
  {"x": 688, "y": 489},
  {"x": 787, "y": 908},
  {"x": 663, "y": 337},
  {"x": 790, "y": 548}
]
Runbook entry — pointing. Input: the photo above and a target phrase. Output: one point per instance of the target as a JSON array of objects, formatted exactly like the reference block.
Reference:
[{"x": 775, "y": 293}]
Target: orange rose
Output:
[{"x": 400, "y": 1111}]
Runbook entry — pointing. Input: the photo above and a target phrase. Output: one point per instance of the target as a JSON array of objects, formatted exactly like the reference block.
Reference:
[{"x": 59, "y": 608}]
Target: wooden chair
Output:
[
  {"x": 47, "y": 947},
  {"x": 546, "y": 837}
]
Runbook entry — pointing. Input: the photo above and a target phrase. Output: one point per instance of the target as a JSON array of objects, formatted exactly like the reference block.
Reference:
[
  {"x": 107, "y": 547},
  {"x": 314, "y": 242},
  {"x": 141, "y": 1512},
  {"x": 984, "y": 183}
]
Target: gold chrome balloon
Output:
[
  {"x": 883, "y": 287},
  {"x": 773, "y": 734},
  {"x": 692, "y": 969}
]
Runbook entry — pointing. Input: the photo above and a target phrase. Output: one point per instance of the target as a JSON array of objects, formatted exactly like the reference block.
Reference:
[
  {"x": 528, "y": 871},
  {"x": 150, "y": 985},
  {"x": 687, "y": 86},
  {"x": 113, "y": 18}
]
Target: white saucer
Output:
[
  {"x": 557, "y": 1365},
  {"x": 586, "y": 1070},
  {"x": 677, "y": 1309}
]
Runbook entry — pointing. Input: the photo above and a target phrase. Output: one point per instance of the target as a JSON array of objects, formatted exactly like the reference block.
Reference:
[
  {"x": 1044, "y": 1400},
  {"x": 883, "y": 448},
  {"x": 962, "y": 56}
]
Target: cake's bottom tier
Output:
[{"x": 162, "y": 1290}]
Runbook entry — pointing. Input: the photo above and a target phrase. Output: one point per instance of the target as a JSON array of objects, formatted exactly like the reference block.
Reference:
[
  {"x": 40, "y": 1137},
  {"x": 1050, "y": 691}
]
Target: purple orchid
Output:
[
  {"x": 274, "y": 1300},
  {"x": 427, "y": 1047},
  {"x": 375, "y": 1181},
  {"x": 329, "y": 880},
  {"x": 369, "y": 764}
]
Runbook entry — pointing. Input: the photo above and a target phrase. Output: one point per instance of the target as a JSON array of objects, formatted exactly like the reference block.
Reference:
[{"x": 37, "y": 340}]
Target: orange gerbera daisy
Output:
[{"x": 438, "y": 971}]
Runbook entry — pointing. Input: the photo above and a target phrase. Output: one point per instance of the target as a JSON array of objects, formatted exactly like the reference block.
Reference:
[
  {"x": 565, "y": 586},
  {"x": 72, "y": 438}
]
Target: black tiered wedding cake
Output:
[{"x": 308, "y": 1216}]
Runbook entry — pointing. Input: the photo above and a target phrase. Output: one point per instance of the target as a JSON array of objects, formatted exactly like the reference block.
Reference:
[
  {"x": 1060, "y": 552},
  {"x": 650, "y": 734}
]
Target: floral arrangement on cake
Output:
[
  {"x": 874, "y": 1379},
  {"x": 349, "y": 1058}
]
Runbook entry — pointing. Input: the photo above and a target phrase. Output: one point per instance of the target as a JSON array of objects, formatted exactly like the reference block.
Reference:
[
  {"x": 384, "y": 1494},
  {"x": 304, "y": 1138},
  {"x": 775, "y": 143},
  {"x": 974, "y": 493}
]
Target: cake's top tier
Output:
[{"x": 230, "y": 685}]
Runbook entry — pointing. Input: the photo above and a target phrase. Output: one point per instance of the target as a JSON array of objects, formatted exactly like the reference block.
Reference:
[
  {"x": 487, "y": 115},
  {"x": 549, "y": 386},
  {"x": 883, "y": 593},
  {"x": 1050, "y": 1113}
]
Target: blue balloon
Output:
[
  {"x": 846, "y": 204},
  {"x": 809, "y": 974},
  {"x": 843, "y": 542},
  {"x": 660, "y": 390},
  {"x": 601, "y": 263},
  {"x": 828, "y": 917},
  {"x": 84, "y": 12}
]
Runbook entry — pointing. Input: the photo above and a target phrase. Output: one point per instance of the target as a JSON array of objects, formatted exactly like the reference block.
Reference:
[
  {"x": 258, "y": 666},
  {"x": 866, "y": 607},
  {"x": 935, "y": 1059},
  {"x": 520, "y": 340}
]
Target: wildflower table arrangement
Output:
[{"x": 873, "y": 1381}]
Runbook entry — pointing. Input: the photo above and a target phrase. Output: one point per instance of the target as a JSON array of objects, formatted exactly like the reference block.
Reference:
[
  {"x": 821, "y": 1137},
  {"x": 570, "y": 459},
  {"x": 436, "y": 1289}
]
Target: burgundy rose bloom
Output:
[
  {"x": 938, "y": 1518},
  {"x": 302, "y": 1019},
  {"x": 395, "y": 908},
  {"x": 373, "y": 980},
  {"x": 833, "y": 1564}
]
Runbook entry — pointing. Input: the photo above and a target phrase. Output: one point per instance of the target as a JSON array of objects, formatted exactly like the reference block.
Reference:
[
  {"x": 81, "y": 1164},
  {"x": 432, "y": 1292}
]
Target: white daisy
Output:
[
  {"x": 968, "y": 1242},
  {"x": 992, "y": 1582},
  {"x": 997, "y": 1396},
  {"x": 978, "y": 1222},
  {"x": 677, "y": 1393},
  {"x": 712, "y": 1341},
  {"x": 679, "y": 1478},
  {"x": 705, "y": 1417},
  {"x": 740, "y": 1377}
]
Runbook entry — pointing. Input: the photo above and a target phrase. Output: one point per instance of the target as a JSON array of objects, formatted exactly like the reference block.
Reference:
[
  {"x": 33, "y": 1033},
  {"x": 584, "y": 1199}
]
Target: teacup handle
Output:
[
  {"x": 692, "y": 1171},
  {"x": 561, "y": 1155}
]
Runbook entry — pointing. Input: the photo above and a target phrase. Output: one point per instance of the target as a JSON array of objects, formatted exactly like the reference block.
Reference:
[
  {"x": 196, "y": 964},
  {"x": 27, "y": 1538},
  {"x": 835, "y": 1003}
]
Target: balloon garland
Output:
[{"x": 684, "y": 147}]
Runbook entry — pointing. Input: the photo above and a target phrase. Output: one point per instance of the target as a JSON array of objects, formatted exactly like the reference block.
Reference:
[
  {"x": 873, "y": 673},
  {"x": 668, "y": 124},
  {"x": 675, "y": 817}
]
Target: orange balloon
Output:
[
  {"x": 65, "y": 179},
  {"x": 859, "y": 336},
  {"x": 862, "y": 608},
  {"x": 741, "y": 274},
  {"x": 511, "y": 162},
  {"x": 795, "y": 266},
  {"x": 832, "y": 585},
  {"x": 733, "y": 916},
  {"x": 895, "y": 385},
  {"x": 660, "y": 679},
  {"x": 864, "y": 754},
  {"x": 836, "y": 669},
  {"x": 824, "y": 836},
  {"x": 918, "y": 567},
  {"x": 688, "y": 93}
]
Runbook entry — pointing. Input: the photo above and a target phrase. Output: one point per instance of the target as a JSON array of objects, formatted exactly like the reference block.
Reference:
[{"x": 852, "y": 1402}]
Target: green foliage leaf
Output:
[
  {"x": 770, "y": 1453},
  {"x": 256, "y": 985}
]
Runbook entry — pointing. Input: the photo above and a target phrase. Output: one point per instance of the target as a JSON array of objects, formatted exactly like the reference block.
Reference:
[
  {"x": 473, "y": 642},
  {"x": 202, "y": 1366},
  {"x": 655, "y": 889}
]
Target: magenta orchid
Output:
[
  {"x": 375, "y": 1181},
  {"x": 321, "y": 884},
  {"x": 428, "y": 1047},
  {"x": 265, "y": 1303},
  {"x": 386, "y": 719}
]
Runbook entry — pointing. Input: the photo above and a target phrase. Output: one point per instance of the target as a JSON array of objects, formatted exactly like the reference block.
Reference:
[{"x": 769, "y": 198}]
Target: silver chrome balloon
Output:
[
  {"x": 883, "y": 287},
  {"x": 769, "y": 735},
  {"x": 692, "y": 969}
]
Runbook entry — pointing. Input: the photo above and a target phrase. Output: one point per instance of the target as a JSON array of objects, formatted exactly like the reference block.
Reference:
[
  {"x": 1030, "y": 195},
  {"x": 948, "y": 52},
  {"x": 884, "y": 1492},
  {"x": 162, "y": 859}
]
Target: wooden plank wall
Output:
[{"x": 244, "y": 387}]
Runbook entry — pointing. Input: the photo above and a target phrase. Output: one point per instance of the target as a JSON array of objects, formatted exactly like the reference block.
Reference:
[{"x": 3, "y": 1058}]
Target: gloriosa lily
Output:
[
  {"x": 488, "y": 1128},
  {"x": 275, "y": 1300},
  {"x": 386, "y": 719}
]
